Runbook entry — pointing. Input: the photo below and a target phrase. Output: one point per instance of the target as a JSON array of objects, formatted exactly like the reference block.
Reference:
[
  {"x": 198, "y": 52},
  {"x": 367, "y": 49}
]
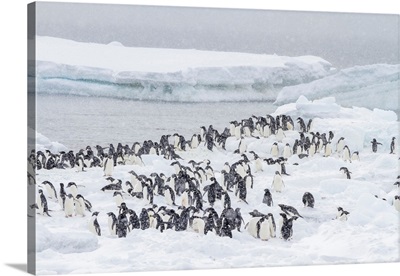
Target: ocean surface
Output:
[{"x": 78, "y": 121}]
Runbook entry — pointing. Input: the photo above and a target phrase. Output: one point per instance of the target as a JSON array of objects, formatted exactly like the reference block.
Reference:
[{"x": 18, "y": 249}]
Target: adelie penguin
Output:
[
  {"x": 396, "y": 202},
  {"x": 94, "y": 225},
  {"x": 42, "y": 203},
  {"x": 51, "y": 191},
  {"x": 277, "y": 183},
  {"x": 341, "y": 214},
  {"x": 393, "y": 146},
  {"x": 69, "y": 206},
  {"x": 73, "y": 188},
  {"x": 287, "y": 226},
  {"x": 375, "y": 145},
  {"x": 289, "y": 210},
  {"x": 308, "y": 200},
  {"x": 267, "y": 199}
]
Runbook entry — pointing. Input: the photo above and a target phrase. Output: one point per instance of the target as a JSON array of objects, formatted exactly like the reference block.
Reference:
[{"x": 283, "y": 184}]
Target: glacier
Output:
[{"x": 183, "y": 75}]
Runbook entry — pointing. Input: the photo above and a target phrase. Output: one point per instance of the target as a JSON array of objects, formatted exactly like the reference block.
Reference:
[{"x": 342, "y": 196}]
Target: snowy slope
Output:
[
  {"x": 112, "y": 70},
  {"x": 369, "y": 235}
]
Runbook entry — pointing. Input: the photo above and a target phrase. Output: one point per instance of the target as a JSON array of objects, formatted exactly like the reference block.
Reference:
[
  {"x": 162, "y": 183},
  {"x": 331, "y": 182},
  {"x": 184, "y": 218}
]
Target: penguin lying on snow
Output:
[
  {"x": 289, "y": 210},
  {"x": 341, "y": 214}
]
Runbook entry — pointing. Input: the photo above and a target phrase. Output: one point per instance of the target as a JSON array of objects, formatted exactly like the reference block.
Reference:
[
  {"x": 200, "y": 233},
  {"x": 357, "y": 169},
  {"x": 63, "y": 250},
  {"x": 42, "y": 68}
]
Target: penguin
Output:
[
  {"x": 268, "y": 198},
  {"x": 346, "y": 172},
  {"x": 112, "y": 223},
  {"x": 287, "y": 151},
  {"x": 272, "y": 225},
  {"x": 69, "y": 206},
  {"x": 42, "y": 203},
  {"x": 340, "y": 145},
  {"x": 108, "y": 166},
  {"x": 242, "y": 148},
  {"x": 287, "y": 226},
  {"x": 393, "y": 146},
  {"x": 122, "y": 224},
  {"x": 277, "y": 182},
  {"x": 279, "y": 134},
  {"x": 396, "y": 202},
  {"x": 63, "y": 195},
  {"x": 355, "y": 156},
  {"x": 241, "y": 191},
  {"x": 51, "y": 191},
  {"x": 289, "y": 210},
  {"x": 198, "y": 225},
  {"x": 312, "y": 150},
  {"x": 79, "y": 205},
  {"x": 118, "y": 198},
  {"x": 195, "y": 141},
  {"x": 375, "y": 145},
  {"x": 226, "y": 227},
  {"x": 275, "y": 149},
  {"x": 134, "y": 222},
  {"x": 346, "y": 154},
  {"x": 308, "y": 200},
  {"x": 251, "y": 226},
  {"x": 144, "y": 219},
  {"x": 327, "y": 149},
  {"x": 238, "y": 219},
  {"x": 169, "y": 195},
  {"x": 341, "y": 214},
  {"x": 73, "y": 188},
  {"x": 263, "y": 229},
  {"x": 94, "y": 225}
]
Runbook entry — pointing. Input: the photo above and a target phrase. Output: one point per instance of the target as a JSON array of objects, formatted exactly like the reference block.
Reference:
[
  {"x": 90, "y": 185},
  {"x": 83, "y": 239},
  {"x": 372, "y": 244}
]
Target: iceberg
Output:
[{"x": 113, "y": 70}]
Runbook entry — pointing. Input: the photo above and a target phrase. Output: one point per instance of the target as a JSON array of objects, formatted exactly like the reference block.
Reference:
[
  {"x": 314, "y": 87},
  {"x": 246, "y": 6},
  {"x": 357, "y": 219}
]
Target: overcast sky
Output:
[{"x": 344, "y": 39}]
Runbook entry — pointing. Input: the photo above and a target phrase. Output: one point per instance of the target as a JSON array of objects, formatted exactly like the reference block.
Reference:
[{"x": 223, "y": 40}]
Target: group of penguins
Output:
[{"x": 193, "y": 181}]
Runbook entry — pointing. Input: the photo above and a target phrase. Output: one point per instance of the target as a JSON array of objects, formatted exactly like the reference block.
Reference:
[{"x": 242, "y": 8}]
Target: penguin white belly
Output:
[
  {"x": 238, "y": 132},
  {"x": 73, "y": 190},
  {"x": 258, "y": 165},
  {"x": 311, "y": 150},
  {"x": 113, "y": 230},
  {"x": 287, "y": 152},
  {"x": 118, "y": 200},
  {"x": 328, "y": 150},
  {"x": 242, "y": 147},
  {"x": 279, "y": 135},
  {"x": 266, "y": 131},
  {"x": 91, "y": 226},
  {"x": 69, "y": 207},
  {"x": 264, "y": 232},
  {"x": 185, "y": 199},
  {"x": 232, "y": 129},
  {"x": 247, "y": 132},
  {"x": 109, "y": 166},
  {"x": 198, "y": 225},
  {"x": 274, "y": 151},
  {"x": 194, "y": 143},
  {"x": 80, "y": 207},
  {"x": 240, "y": 171},
  {"x": 252, "y": 226},
  {"x": 346, "y": 156},
  {"x": 152, "y": 221},
  {"x": 249, "y": 183},
  {"x": 39, "y": 204},
  {"x": 168, "y": 197},
  {"x": 277, "y": 184},
  {"x": 340, "y": 146},
  {"x": 355, "y": 157}
]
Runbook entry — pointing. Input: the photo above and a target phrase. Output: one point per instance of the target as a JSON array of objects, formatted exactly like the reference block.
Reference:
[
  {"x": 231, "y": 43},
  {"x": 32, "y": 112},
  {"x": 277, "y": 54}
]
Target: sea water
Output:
[{"x": 79, "y": 121}]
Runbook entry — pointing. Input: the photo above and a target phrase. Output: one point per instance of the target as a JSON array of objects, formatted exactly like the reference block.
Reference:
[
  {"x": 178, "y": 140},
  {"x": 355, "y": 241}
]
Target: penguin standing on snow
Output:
[
  {"x": 346, "y": 172},
  {"x": 267, "y": 198},
  {"x": 63, "y": 195},
  {"x": 51, "y": 191},
  {"x": 287, "y": 226},
  {"x": 42, "y": 203},
  {"x": 308, "y": 200},
  {"x": 79, "y": 205},
  {"x": 94, "y": 225},
  {"x": 275, "y": 149},
  {"x": 375, "y": 145},
  {"x": 108, "y": 165},
  {"x": 346, "y": 154},
  {"x": 277, "y": 182},
  {"x": 144, "y": 219},
  {"x": 263, "y": 229},
  {"x": 69, "y": 206},
  {"x": 355, "y": 156},
  {"x": 112, "y": 223},
  {"x": 341, "y": 214},
  {"x": 393, "y": 146}
]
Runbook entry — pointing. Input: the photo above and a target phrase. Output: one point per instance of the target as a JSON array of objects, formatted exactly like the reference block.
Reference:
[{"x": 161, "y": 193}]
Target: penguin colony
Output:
[{"x": 192, "y": 192}]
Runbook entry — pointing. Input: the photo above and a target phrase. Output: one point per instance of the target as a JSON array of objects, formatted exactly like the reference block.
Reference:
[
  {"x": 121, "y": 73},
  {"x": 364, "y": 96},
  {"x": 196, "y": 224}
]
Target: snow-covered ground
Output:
[{"x": 371, "y": 233}]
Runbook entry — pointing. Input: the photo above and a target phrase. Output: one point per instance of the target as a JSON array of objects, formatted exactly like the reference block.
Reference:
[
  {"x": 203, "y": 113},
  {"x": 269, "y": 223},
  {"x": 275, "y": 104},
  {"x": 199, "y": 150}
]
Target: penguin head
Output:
[
  {"x": 95, "y": 214},
  {"x": 71, "y": 184},
  {"x": 40, "y": 191},
  {"x": 283, "y": 215},
  {"x": 78, "y": 196}
]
